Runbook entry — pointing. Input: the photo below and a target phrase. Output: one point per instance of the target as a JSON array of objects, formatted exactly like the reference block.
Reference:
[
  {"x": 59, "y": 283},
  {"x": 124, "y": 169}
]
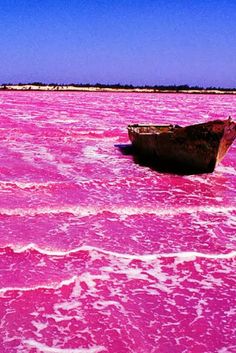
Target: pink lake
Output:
[{"x": 100, "y": 254}]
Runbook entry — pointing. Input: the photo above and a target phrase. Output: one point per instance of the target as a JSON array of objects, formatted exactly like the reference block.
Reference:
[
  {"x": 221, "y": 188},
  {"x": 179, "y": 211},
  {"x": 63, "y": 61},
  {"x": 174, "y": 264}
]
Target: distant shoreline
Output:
[{"x": 103, "y": 88}]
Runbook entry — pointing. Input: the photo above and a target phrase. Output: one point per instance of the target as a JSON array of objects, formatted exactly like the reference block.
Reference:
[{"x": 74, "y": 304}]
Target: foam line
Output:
[
  {"x": 122, "y": 211},
  {"x": 146, "y": 257},
  {"x": 29, "y": 185},
  {"x": 46, "y": 349},
  {"x": 65, "y": 282},
  {"x": 185, "y": 256}
]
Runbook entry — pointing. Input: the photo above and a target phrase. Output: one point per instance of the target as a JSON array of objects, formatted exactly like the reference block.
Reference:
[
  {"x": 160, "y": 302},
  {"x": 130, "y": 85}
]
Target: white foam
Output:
[
  {"x": 183, "y": 258},
  {"x": 46, "y": 349},
  {"x": 39, "y": 325},
  {"x": 91, "y": 152},
  {"x": 185, "y": 255},
  {"x": 60, "y": 318},
  {"x": 121, "y": 211},
  {"x": 28, "y": 185},
  {"x": 102, "y": 304},
  {"x": 226, "y": 349},
  {"x": 66, "y": 305},
  {"x": 89, "y": 279},
  {"x": 225, "y": 169},
  {"x": 65, "y": 282}
]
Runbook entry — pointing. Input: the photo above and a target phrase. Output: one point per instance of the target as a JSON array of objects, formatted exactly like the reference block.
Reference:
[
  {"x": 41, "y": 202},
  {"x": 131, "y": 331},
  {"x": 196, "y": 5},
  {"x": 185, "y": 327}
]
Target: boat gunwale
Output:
[{"x": 157, "y": 129}]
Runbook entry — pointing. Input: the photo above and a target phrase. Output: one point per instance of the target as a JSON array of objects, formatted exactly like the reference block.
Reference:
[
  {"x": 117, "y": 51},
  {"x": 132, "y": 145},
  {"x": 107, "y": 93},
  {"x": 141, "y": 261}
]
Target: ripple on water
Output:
[{"x": 99, "y": 254}]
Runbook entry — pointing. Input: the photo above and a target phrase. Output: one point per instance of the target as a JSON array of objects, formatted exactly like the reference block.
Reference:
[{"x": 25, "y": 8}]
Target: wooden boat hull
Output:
[{"x": 192, "y": 149}]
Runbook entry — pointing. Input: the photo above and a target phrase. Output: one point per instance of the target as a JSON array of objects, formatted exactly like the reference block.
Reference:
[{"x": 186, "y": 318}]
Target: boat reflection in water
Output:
[{"x": 187, "y": 150}]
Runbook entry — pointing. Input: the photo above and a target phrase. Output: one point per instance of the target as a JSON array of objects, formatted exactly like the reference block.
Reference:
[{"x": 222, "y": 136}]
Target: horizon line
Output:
[{"x": 123, "y": 86}]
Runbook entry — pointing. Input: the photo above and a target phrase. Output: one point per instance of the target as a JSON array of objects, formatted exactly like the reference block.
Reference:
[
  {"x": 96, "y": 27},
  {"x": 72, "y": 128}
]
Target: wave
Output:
[
  {"x": 225, "y": 169},
  {"x": 76, "y": 183},
  {"x": 188, "y": 255},
  {"x": 28, "y": 185},
  {"x": 125, "y": 259},
  {"x": 55, "y": 286},
  {"x": 46, "y": 349},
  {"x": 122, "y": 211}
]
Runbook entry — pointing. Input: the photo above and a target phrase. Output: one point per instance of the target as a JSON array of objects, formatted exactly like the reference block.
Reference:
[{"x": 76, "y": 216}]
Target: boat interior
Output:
[{"x": 152, "y": 129}]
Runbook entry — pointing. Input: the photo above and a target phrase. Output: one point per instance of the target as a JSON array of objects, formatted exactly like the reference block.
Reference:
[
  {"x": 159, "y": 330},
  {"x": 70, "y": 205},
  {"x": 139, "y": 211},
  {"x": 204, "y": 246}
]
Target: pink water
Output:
[{"x": 99, "y": 254}]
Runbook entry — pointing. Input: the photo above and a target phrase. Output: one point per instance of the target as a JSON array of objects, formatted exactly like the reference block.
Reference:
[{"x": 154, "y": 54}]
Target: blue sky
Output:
[{"x": 119, "y": 41}]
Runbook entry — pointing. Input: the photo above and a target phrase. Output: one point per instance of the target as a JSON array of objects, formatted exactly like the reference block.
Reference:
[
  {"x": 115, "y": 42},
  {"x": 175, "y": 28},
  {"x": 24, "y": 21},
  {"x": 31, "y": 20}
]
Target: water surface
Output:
[{"x": 99, "y": 254}]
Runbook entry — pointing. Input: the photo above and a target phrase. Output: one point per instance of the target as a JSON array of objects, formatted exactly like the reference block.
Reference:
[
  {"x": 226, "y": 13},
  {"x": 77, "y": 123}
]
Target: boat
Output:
[{"x": 191, "y": 149}]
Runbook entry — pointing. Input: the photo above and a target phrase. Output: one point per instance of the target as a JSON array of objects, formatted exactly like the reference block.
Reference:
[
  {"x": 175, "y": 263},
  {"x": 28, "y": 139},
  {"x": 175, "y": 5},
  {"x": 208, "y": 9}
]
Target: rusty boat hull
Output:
[{"x": 191, "y": 149}]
